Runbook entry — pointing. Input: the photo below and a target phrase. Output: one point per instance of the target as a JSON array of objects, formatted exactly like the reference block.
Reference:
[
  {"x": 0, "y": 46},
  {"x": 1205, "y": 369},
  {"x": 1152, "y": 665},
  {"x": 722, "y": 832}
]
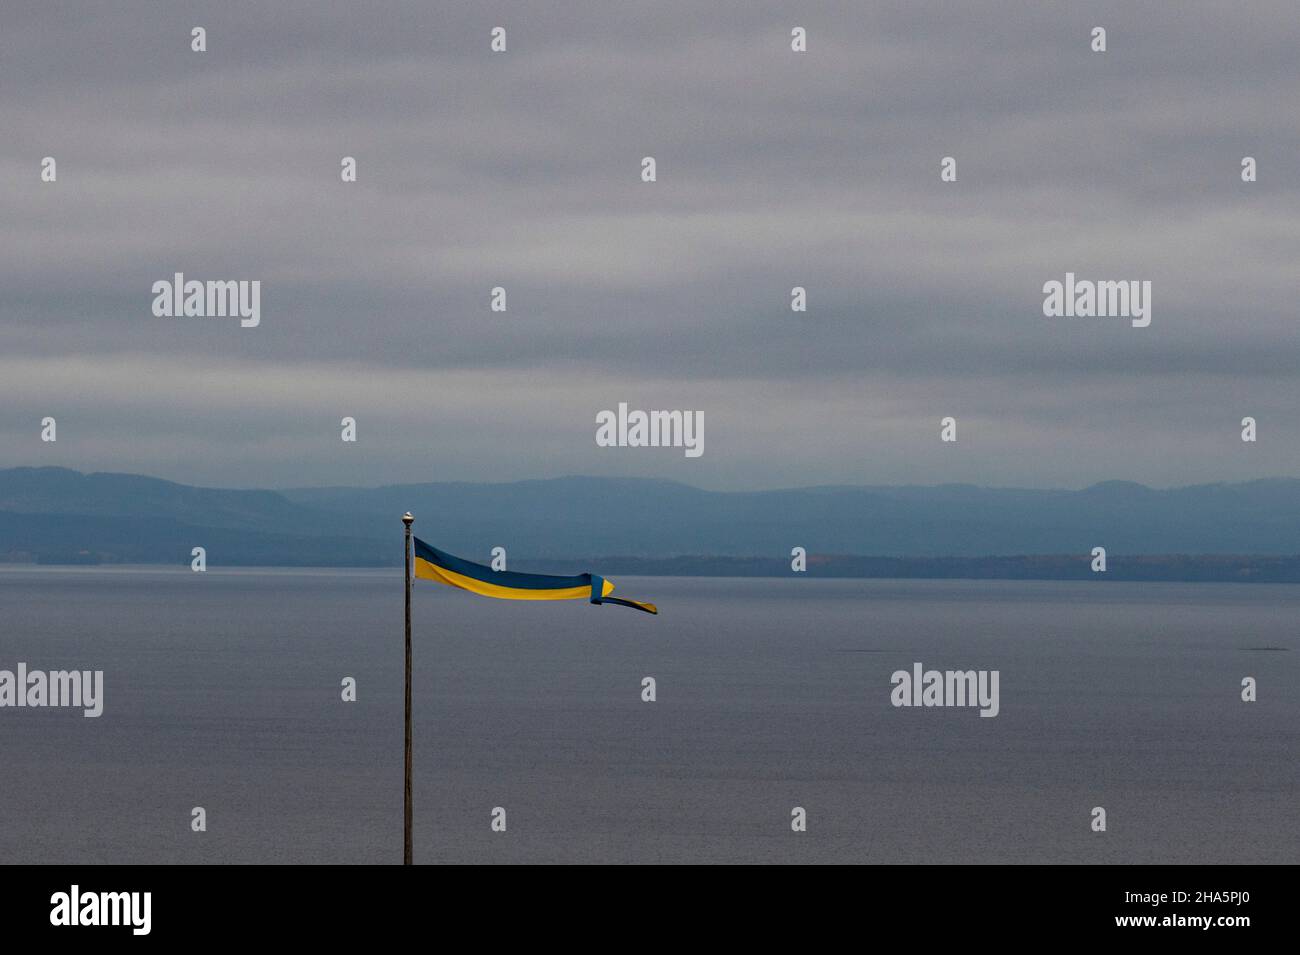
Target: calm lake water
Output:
[{"x": 222, "y": 690}]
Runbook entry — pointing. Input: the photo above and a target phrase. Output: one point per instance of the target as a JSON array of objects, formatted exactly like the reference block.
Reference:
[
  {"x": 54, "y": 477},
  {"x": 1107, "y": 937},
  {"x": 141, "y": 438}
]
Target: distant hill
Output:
[
  {"x": 648, "y": 518},
  {"x": 59, "y": 514}
]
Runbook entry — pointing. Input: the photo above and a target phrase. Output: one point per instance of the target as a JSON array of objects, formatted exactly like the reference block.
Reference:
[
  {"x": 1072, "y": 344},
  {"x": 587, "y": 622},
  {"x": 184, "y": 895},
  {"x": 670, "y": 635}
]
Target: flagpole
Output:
[{"x": 406, "y": 794}]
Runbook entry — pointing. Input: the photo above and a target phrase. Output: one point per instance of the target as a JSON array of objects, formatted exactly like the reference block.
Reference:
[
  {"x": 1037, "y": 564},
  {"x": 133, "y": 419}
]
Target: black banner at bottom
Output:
[{"x": 143, "y": 904}]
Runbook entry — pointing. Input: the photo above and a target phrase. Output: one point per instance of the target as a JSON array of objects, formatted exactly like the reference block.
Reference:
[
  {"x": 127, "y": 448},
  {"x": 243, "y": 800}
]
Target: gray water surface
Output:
[{"x": 223, "y": 691}]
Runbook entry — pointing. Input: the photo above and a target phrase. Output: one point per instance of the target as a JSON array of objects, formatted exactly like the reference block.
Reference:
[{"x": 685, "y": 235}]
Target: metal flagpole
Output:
[{"x": 406, "y": 800}]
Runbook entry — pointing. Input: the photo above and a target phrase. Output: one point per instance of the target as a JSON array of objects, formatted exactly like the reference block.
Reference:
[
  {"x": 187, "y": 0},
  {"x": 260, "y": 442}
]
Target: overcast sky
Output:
[{"x": 775, "y": 169}]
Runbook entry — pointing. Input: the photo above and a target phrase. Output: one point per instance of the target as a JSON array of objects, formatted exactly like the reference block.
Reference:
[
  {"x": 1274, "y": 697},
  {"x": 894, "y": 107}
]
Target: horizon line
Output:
[{"x": 651, "y": 480}]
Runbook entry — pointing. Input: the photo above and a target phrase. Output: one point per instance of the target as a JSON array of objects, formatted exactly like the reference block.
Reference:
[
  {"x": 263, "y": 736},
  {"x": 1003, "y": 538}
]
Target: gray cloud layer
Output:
[{"x": 775, "y": 170}]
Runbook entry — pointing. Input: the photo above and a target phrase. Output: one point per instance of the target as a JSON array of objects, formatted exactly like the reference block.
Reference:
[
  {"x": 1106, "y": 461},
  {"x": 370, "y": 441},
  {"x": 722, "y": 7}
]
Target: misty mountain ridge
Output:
[{"x": 57, "y": 514}]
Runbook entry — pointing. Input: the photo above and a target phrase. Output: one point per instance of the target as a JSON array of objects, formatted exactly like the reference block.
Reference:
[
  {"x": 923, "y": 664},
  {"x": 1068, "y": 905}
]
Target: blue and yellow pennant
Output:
[{"x": 434, "y": 564}]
